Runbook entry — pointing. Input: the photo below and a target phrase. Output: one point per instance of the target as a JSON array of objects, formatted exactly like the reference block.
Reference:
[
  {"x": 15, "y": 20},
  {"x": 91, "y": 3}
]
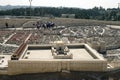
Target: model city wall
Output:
[{"x": 22, "y": 66}]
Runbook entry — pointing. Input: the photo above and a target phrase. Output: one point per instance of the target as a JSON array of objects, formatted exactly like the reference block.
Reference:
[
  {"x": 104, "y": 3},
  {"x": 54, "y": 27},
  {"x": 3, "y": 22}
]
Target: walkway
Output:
[
  {"x": 8, "y": 38},
  {"x": 4, "y": 43}
]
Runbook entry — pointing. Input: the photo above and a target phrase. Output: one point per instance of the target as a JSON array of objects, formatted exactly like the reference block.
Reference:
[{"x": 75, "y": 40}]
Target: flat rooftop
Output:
[
  {"x": 78, "y": 52},
  {"x": 4, "y": 61},
  {"x": 114, "y": 26}
]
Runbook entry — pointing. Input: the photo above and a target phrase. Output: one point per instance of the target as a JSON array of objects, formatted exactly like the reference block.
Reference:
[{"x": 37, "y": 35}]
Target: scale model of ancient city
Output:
[{"x": 48, "y": 45}]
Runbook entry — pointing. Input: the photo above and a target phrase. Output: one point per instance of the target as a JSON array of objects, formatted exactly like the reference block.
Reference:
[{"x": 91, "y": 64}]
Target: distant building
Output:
[{"x": 68, "y": 15}]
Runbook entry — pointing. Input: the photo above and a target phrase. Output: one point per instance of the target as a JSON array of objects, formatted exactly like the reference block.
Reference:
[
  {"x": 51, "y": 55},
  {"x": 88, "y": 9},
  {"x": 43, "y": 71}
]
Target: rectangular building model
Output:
[{"x": 55, "y": 58}]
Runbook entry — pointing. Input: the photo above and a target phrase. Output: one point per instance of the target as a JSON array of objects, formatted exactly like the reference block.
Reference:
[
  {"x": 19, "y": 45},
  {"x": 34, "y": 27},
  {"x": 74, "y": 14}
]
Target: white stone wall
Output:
[
  {"x": 20, "y": 67},
  {"x": 3, "y": 72},
  {"x": 88, "y": 66}
]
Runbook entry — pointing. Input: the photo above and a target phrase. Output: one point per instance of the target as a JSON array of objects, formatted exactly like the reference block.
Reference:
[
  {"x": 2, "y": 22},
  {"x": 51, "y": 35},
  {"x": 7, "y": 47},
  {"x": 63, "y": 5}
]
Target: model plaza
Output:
[
  {"x": 56, "y": 57},
  {"x": 46, "y": 53}
]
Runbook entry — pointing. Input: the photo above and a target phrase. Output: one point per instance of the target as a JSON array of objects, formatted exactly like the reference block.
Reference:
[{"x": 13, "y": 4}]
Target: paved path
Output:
[
  {"x": 4, "y": 43},
  {"x": 8, "y": 38},
  {"x": 28, "y": 37}
]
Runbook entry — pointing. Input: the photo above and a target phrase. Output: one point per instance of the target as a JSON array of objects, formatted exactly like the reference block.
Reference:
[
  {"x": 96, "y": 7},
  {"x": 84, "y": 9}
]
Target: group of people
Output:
[{"x": 44, "y": 25}]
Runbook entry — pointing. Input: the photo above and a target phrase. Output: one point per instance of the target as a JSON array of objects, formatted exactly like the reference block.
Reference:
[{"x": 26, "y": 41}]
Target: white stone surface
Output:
[
  {"x": 4, "y": 61},
  {"x": 78, "y": 54}
]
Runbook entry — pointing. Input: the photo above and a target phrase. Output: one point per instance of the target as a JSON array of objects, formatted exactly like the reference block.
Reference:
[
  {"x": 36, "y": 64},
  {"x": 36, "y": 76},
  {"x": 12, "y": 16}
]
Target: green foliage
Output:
[{"x": 97, "y": 13}]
